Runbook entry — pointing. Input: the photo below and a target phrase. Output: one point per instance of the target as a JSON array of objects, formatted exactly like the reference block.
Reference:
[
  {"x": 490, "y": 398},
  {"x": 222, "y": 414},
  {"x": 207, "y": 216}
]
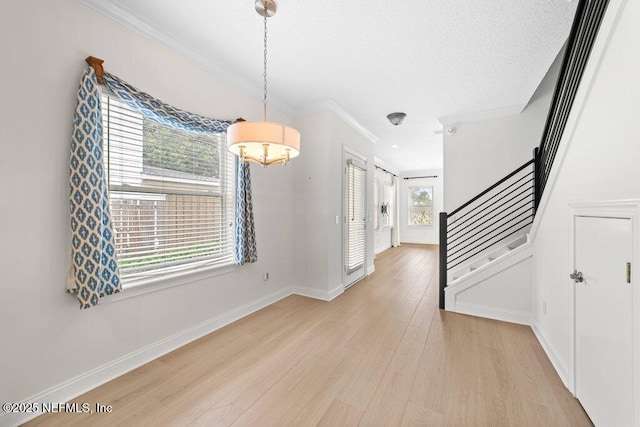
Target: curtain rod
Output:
[
  {"x": 384, "y": 170},
  {"x": 419, "y": 177},
  {"x": 96, "y": 64}
]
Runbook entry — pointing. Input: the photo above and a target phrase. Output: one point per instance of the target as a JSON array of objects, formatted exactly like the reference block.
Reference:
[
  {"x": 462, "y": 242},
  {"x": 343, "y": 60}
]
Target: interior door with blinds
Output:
[{"x": 355, "y": 219}]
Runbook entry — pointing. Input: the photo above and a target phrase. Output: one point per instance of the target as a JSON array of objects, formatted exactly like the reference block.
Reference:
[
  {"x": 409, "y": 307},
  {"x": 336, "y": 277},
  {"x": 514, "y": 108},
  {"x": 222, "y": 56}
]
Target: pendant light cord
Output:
[{"x": 264, "y": 74}]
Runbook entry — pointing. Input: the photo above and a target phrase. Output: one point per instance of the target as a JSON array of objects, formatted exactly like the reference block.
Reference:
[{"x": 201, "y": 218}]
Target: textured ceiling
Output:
[{"x": 427, "y": 58}]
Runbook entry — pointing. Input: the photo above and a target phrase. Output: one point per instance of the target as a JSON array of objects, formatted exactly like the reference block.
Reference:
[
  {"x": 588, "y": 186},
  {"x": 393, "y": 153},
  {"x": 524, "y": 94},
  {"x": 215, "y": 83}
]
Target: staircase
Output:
[
  {"x": 486, "y": 235},
  {"x": 485, "y": 240}
]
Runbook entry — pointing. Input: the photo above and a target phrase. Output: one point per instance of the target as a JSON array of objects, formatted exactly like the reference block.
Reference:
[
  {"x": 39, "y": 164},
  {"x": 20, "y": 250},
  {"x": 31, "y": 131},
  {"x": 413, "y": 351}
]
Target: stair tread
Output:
[{"x": 478, "y": 263}]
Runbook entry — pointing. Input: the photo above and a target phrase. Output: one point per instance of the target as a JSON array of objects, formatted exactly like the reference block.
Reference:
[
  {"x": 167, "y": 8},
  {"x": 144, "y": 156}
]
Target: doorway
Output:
[
  {"x": 355, "y": 218},
  {"x": 605, "y": 307}
]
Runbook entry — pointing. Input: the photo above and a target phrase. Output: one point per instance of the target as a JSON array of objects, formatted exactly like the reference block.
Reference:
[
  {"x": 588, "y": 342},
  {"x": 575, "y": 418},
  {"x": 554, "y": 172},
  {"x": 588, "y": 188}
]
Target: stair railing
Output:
[
  {"x": 584, "y": 30},
  {"x": 497, "y": 213},
  {"x": 510, "y": 205}
]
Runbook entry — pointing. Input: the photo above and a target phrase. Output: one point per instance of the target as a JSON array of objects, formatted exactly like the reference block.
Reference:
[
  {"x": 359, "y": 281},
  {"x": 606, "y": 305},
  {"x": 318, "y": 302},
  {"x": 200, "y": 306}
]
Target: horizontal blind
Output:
[
  {"x": 356, "y": 218},
  {"x": 171, "y": 194}
]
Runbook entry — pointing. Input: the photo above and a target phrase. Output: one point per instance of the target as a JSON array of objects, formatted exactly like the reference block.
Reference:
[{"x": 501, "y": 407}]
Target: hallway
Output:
[{"x": 380, "y": 354}]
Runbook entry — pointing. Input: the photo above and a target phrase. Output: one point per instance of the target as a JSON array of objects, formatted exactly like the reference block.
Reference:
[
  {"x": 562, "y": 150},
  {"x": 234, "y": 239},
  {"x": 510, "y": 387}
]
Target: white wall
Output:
[
  {"x": 481, "y": 152},
  {"x": 318, "y": 176},
  {"x": 46, "y": 338},
  {"x": 426, "y": 234},
  {"x": 381, "y": 236},
  {"x": 601, "y": 163},
  {"x": 313, "y": 218}
]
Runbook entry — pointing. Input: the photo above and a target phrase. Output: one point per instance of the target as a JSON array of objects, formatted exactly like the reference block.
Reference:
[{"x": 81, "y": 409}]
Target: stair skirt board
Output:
[
  {"x": 495, "y": 266},
  {"x": 486, "y": 257},
  {"x": 504, "y": 274}
]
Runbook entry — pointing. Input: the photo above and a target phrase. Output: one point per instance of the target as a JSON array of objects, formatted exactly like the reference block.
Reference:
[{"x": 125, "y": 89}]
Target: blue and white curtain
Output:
[
  {"x": 158, "y": 111},
  {"x": 93, "y": 270},
  {"x": 246, "y": 250}
]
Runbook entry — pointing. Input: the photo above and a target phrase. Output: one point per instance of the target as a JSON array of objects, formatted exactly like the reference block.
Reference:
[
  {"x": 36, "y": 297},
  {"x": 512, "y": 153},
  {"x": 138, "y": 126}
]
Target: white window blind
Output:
[
  {"x": 356, "y": 212},
  {"x": 171, "y": 195}
]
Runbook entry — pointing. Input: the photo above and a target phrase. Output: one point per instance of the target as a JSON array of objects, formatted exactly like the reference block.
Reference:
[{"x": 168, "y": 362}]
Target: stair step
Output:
[{"x": 486, "y": 258}]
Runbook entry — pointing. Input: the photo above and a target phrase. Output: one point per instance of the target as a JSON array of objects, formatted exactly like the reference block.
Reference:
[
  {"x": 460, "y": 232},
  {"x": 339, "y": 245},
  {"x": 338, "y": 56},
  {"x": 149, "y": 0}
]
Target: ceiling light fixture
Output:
[
  {"x": 394, "y": 146},
  {"x": 396, "y": 118},
  {"x": 264, "y": 142}
]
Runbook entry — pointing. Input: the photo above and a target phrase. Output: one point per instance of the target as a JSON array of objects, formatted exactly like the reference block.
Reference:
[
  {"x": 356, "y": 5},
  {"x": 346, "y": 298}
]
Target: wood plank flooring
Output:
[{"x": 381, "y": 354}]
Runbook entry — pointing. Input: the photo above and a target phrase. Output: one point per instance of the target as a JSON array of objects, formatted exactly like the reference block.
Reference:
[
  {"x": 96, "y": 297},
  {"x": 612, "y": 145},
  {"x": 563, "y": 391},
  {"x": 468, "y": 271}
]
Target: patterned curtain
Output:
[
  {"x": 93, "y": 270},
  {"x": 246, "y": 250},
  {"x": 158, "y": 111}
]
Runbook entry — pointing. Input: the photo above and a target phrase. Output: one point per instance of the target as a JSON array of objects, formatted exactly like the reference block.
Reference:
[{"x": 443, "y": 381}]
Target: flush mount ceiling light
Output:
[
  {"x": 264, "y": 142},
  {"x": 396, "y": 118}
]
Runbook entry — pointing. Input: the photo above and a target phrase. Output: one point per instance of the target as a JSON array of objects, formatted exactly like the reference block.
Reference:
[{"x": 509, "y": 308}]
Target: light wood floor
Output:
[{"x": 380, "y": 354}]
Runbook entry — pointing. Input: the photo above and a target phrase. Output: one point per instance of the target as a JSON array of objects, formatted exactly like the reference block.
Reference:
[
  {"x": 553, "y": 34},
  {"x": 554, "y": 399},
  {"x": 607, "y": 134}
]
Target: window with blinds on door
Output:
[
  {"x": 171, "y": 195},
  {"x": 356, "y": 217}
]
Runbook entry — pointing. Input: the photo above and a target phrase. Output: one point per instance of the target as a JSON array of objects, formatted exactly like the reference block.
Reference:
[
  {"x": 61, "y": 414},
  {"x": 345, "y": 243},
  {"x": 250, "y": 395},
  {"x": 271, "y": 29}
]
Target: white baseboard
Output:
[
  {"x": 319, "y": 294},
  {"x": 79, "y": 385},
  {"x": 560, "y": 368},
  {"x": 419, "y": 242},
  {"x": 382, "y": 249},
  {"x": 335, "y": 292},
  {"x": 496, "y": 313}
]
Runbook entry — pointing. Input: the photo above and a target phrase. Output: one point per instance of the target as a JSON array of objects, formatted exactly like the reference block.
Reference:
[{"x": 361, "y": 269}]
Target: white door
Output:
[
  {"x": 603, "y": 319},
  {"x": 355, "y": 221}
]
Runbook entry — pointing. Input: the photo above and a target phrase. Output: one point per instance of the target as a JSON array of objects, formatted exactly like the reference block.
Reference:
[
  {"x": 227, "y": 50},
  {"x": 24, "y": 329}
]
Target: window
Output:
[
  {"x": 171, "y": 195},
  {"x": 421, "y": 205},
  {"x": 387, "y": 205}
]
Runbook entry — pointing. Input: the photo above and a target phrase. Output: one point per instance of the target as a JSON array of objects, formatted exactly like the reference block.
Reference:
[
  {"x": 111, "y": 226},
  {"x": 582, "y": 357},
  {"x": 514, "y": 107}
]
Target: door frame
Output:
[
  {"x": 624, "y": 209},
  {"x": 348, "y": 152}
]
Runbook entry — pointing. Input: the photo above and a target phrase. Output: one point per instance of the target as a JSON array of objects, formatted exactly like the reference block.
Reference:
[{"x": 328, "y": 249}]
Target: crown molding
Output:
[
  {"x": 334, "y": 107},
  {"x": 173, "y": 43},
  {"x": 475, "y": 116}
]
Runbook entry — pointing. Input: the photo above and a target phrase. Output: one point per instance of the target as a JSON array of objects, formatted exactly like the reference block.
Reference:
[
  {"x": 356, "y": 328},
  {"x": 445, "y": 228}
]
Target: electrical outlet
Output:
[
  {"x": 544, "y": 307},
  {"x": 265, "y": 276}
]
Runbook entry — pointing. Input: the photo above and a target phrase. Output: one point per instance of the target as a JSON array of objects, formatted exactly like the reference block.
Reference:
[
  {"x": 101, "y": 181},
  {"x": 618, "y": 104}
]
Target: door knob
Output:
[{"x": 576, "y": 276}]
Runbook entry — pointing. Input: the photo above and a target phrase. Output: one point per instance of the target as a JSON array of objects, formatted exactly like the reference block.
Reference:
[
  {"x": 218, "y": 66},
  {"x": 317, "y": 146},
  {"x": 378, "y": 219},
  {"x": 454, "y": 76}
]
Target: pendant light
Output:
[{"x": 263, "y": 142}]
